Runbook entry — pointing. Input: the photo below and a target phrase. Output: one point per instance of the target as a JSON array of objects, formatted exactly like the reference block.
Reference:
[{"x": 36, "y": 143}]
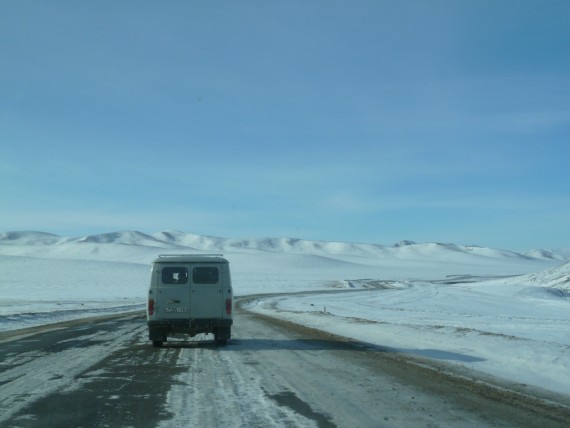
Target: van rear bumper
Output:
[{"x": 160, "y": 329}]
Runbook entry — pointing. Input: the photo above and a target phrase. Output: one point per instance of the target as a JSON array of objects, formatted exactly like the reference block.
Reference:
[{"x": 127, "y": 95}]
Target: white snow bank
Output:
[{"x": 511, "y": 331}]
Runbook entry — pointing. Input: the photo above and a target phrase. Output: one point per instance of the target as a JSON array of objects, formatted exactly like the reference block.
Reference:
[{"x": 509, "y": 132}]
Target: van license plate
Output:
[{"x": 176, "y": 310}]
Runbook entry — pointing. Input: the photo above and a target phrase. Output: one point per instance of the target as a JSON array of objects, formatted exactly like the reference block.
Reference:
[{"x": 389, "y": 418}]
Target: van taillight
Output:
[
  {"x": 151, "y": 306},
  {"x": 229, "y": 306}
]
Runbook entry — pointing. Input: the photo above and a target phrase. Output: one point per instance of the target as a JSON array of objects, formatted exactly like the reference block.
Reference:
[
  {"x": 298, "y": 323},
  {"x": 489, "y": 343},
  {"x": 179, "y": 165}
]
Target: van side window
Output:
[
  {"x": 205, "y": 275},
  {"x": 174, "y": 275}
]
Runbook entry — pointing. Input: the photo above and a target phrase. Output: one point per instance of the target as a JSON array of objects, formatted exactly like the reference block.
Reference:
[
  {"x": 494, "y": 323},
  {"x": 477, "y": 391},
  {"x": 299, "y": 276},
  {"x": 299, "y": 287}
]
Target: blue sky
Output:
[{"x": 361, "y": 121}]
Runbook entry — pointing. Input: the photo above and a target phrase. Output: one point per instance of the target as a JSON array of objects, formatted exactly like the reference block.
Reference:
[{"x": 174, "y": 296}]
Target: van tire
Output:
[
  {"x": 157, "y": 343},
  {"x": 222, "y": 335}
]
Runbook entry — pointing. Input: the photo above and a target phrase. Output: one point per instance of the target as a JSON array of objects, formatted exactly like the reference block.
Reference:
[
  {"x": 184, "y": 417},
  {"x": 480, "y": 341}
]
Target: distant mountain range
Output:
[
  {"x": 175, "y": 240},
  {"x": 285, "y": 258}
]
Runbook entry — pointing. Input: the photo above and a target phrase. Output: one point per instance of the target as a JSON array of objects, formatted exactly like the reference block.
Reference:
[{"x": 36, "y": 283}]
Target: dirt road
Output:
[{"x": 104, "y": 373}]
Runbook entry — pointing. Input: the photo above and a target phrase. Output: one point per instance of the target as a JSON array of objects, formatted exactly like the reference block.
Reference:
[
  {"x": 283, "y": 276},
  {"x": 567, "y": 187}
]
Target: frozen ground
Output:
[{"x": 498, "y": 312}]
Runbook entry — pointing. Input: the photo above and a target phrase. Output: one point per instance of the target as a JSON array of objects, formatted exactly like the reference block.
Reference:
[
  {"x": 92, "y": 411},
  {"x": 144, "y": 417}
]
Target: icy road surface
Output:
[{"x": 104, "y": 373}]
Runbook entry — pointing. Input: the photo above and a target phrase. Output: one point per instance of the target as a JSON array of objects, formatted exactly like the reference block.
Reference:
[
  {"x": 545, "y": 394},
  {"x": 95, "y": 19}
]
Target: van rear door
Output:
[
  {"x": 173, "y": 300},
  {"x": 206, "y": 299}
]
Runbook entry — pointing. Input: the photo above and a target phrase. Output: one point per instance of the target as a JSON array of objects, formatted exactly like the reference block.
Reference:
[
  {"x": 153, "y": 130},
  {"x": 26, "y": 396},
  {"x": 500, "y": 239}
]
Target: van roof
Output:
[{"x": 190, "y": 258}]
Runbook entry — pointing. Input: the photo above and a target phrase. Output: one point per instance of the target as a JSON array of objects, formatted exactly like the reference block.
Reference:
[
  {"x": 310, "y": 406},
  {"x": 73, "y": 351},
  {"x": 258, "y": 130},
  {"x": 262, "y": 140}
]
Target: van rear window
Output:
[
  {"x": 174, "y": 275},
  {"x": 205, "y": 275}
]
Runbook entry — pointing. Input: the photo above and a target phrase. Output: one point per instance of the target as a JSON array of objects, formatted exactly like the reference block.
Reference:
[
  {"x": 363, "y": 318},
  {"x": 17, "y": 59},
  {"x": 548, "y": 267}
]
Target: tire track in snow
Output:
[{"x": 215, "y": 376}]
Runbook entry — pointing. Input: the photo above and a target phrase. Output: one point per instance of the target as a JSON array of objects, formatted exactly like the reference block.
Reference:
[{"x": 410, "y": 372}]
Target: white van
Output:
[{"x": 190, "y": 294}]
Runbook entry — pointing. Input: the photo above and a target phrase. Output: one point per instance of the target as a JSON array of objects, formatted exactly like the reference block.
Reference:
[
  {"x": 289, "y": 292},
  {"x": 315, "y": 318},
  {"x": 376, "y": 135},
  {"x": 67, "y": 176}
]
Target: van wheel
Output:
[{"x": 157, "y": 343}]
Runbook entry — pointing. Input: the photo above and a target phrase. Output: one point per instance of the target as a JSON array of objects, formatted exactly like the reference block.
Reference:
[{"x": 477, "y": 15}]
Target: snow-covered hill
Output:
[
  {"x": 560, "y": 254},
  {"x": 174, "y": 240},
  {"x": 294, "y": 263},
  {"x": 29, "y": 238},
  {"x": 557, "y": 277}
]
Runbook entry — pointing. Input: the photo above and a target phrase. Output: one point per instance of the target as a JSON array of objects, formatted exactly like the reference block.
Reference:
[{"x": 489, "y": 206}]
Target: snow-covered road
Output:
[{"x": 104, "y": 372}]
